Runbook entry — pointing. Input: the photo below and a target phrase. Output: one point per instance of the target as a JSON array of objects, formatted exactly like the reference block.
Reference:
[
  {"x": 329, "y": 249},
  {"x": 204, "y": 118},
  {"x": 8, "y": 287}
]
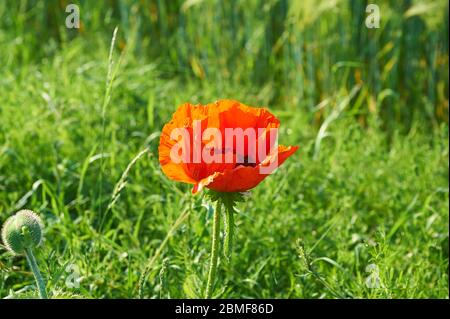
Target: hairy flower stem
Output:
[
  {"x": 229, "y": 232},
  {"x": 37, "y": 274},
  {"x": 214, "y": 250}
]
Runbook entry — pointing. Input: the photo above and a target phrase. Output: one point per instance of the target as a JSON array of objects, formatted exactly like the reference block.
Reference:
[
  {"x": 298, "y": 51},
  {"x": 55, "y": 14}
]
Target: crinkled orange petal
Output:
[
  {"x": 233, "y": 114},
  {"x": 182, "y": 118},
  {"x": 243, "y": 178}
]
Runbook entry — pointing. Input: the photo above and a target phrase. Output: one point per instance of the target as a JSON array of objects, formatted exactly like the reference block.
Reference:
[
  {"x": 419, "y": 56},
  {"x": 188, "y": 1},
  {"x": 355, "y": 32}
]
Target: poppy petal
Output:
[{"x": 243, "y": 178}]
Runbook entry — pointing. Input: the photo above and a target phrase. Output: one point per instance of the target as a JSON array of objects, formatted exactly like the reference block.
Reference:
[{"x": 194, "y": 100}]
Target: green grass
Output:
[{"x": 370, "y": 187}]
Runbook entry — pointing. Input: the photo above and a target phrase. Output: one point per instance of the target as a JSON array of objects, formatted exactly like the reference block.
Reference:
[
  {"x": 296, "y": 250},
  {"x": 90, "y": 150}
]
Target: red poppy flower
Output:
[{"x": 234, "y": 167}]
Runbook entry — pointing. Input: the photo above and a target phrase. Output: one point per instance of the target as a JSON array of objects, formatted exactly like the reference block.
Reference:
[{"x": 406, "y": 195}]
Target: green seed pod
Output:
[{"x": 22, "y": 230}]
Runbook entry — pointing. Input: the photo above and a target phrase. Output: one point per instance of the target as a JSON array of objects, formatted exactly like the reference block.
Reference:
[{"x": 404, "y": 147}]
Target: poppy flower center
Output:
[{"x": 247, "y": 161}]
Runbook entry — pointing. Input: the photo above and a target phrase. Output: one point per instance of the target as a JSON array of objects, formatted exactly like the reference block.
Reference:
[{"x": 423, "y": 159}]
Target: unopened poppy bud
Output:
[{"x": 21, "y": 231}]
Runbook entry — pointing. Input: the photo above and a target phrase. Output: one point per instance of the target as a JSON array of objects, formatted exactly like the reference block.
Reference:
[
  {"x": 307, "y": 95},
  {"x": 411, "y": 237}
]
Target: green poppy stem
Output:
[
  {"x": 37, "y": 274},
  {"x": 214, "y": 250},
  {"x": 229, "y": 232}
]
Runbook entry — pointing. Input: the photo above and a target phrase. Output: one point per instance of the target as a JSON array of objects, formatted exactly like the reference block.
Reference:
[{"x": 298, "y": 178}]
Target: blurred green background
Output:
[
  {"x": 368, "y": 108},
  {"x": 294, "y": 53}
]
